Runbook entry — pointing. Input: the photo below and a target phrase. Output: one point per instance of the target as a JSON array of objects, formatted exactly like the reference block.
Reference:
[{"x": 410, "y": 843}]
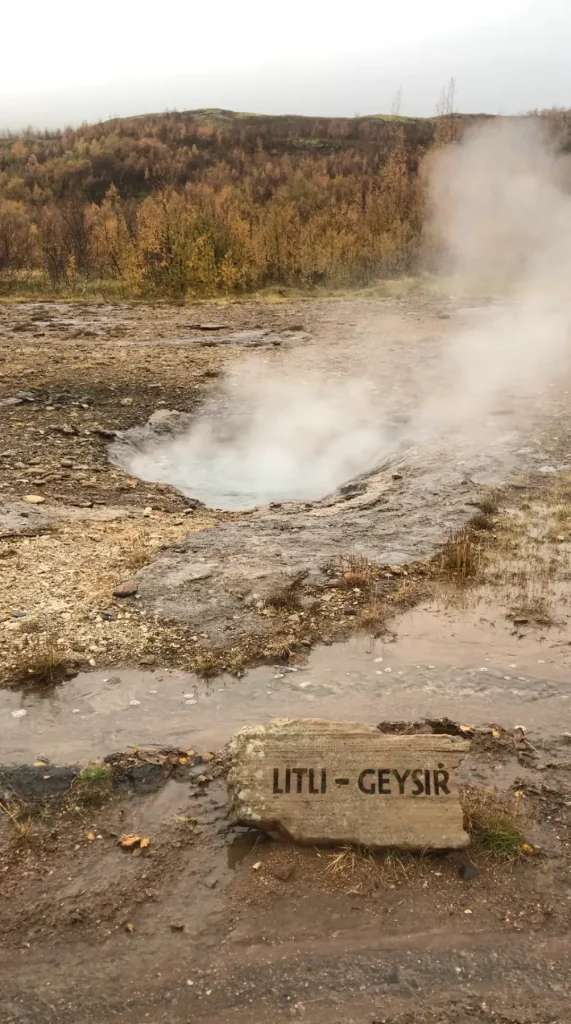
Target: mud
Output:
[{"x": 214, "y": 923}]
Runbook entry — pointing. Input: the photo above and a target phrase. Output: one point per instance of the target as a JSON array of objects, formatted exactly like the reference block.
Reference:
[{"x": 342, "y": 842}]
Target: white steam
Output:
[
  {"x": 501, "y": 209},
  {"x": 273, "y": 434},
  {"x": 298, "y": 425}
]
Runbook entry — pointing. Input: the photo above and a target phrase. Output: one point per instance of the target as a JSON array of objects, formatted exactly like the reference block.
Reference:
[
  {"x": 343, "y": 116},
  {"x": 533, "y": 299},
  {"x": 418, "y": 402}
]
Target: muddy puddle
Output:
[{"x": 468, "y": 663}]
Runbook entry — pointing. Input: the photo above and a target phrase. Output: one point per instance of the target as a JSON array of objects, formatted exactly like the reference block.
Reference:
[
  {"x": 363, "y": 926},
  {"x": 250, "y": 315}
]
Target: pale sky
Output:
[{"x": 66, "y": 61}]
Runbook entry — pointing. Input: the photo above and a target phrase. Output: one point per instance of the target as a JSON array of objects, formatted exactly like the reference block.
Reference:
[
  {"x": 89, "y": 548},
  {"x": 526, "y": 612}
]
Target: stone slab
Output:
[{"x": 338, "y": 783}]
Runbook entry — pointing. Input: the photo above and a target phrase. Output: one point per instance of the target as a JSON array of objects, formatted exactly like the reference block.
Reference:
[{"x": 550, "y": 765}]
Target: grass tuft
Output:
[
  {"x": 489, "y": 504},
  {"x": 45, "y": 665},
  {"x": 93, "y": 784},
  {"x": 481, "y": 522},
  {"x": 18, "y": 818},
  {"x": 494, "y": 823},
  {"x": 461, "y": 556},
  {"x": 357, "y": 572}
]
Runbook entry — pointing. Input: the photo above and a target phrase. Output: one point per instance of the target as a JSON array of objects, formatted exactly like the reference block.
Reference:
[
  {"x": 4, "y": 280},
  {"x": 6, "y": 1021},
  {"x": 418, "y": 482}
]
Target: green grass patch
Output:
[{"x": 494, "y": 823}]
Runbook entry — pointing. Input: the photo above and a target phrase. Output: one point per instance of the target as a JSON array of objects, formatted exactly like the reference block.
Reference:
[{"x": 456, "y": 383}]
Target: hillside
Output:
[{"x": 212, "y": 201}]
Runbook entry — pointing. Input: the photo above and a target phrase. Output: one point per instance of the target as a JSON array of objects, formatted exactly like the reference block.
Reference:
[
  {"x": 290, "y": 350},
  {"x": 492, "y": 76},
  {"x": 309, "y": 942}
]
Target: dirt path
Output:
[{"x": 213, "y": 923}]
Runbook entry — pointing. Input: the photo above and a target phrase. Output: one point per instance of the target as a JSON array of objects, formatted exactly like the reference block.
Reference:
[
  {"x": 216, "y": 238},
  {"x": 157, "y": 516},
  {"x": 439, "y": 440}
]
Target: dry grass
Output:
[
  {"x": 357, "y": 572},
  {"x": 373, "y": 616},
  {"x": 535, "y": 607},
  {"x": 489, "y": 504},
  {"x": 461, "y": 556},
  {"x": 363, "y": 870},
  {"x": 137, "y": 551},
  {"x": 44, "y": 665},
  {"x": 481, "y": 522},
  {"x": 287, "y": 597},
  {"x": 494, "y": 823},
  {"x": 206, "y": 664},
  {"x": 18, "y": 818}
]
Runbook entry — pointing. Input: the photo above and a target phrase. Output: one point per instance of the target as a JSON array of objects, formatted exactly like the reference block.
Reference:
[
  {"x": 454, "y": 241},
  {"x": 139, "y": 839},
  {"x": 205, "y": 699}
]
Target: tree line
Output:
[{"x": 208, "y": 202}]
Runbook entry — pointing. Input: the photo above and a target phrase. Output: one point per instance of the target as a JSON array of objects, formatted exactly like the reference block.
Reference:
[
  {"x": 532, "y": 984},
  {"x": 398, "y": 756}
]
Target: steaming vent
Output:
[{"x": 261, "y": 441}]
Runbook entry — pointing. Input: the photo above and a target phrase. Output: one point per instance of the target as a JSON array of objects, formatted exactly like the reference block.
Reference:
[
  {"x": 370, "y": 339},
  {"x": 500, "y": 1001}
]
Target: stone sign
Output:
[{"x": 339, "y": 782}]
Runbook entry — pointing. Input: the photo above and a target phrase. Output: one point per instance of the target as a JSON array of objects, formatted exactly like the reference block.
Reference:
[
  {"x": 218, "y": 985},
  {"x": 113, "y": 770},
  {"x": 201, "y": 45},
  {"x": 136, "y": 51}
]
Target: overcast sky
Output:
[{"x": 67, "y": 61}]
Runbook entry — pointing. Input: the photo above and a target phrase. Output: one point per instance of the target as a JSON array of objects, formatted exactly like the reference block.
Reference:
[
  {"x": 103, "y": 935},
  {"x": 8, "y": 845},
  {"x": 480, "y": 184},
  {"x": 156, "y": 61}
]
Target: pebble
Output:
[
  {"x": 467, "y": 872},
  {"x": 126, "y": 589},
  {"x": 34, "y": 499},
  {"x": 19, "y": 713}
]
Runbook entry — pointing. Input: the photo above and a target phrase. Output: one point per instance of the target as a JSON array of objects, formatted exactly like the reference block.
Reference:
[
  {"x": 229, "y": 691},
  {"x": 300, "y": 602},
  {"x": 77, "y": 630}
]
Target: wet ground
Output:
[
  {"x": 440, "y": 662},
  {"x": 209, "y": 923}
]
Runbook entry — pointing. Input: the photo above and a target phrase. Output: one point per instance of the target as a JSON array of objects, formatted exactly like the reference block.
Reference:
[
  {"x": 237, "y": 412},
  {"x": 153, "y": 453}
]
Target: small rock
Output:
[
  {"x": 520, "y": 620},
  {"x": 108, "y": 616},
  {"x": 34, "y": 499},
  {"x": 148, "y": 659},
  {"x": 397, "y": 476},
  {"x": 19, "y": 713},
  {"x": 126, "y": 401},
  {"x": 177, "y": 926},
  {"x": 468, "y": 871},
  {"x": 283, "y": 872},
  {"x": 148, "y": 511},
  {"x": 127, "y": 589}
]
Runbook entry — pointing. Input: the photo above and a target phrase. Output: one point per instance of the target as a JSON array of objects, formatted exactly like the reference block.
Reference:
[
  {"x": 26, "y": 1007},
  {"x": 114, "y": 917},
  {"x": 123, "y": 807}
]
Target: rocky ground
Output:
[
  {"x": 74, "y": 527},
  {"x": 208, "y": 922}
]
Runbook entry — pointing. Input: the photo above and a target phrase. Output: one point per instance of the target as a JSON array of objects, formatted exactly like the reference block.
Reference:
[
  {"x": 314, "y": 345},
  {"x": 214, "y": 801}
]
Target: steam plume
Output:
[{"x": 299, "y": 425}]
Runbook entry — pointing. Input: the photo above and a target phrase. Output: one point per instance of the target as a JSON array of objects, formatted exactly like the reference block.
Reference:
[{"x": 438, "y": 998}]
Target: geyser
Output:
[
  {"x": 297, "y": 426},
  {"x": 270, "y": 436}
]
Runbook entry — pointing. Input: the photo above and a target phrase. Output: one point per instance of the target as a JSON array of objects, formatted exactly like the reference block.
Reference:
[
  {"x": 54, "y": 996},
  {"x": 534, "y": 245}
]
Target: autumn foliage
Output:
[{"x": 211, "y": 202}]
